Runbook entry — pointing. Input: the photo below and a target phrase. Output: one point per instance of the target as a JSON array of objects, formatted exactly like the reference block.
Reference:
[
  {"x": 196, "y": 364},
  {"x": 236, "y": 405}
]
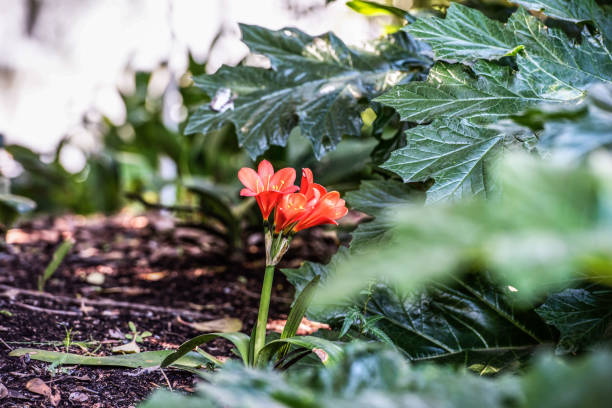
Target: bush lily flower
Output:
[{"x": 294, "y": 211}]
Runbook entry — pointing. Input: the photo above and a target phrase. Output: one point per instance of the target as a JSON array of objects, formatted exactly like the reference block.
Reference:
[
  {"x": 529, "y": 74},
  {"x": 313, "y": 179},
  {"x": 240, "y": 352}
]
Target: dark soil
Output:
[{"x": 154, "y": 271}]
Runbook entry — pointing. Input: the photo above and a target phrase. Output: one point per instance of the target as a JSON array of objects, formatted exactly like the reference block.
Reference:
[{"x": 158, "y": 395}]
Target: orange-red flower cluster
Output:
[{"x": 294, "y": 211}]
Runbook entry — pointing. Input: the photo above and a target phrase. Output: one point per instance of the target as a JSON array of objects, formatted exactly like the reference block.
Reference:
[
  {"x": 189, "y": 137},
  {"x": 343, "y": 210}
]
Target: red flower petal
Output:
[
  {"x": 307, "y": 180},
  {"x": 291, "y": 208},
  {"x": 245, "y": 192},
  {"x": 326, "y": 210},
  {"x": 265, "y": 171},
  {"x": 282, "y": 179},
  {"x": 267, "y": 201},
  {"x": 250, "y": 179}
]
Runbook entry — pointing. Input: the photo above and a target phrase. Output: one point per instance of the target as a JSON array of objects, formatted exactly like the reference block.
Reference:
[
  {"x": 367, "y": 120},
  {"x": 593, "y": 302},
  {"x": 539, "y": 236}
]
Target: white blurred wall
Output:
[{"x": 77, "y": 52}]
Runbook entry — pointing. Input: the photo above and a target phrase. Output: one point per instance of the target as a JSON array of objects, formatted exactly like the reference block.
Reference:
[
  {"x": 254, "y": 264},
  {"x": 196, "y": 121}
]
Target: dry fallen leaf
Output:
[
  {"x": 115, "y": 334},
  {"x": 78, "y": 397},
  {"x": 55, "y": 398},
  {"x": 11, "y": 294},
  {"x": 152, "y": 276},
  {"x": 95, "y": 278},
  {"x": 3, "y": 391},
  {"x": 38, "y": 386},
  {"x": 223, "y": 325},
  {"x": 305, "y": 328},
  {"x": 128, "y": 348}
]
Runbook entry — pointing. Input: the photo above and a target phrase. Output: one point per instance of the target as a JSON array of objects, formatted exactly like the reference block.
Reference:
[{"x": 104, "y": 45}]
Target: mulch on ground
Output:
[{"x": 142, "y": 269}]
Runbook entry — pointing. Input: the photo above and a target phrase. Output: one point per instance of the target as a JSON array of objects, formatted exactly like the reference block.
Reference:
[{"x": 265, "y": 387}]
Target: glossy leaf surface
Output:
[{"x": 316, "y": 83}]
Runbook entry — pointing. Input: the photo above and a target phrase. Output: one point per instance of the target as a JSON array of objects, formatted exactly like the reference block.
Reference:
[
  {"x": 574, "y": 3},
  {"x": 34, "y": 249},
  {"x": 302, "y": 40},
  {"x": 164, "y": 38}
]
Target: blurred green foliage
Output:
[
  {"x": 93, "y": 189},
  {"x": 371, "y": 376},
  {"x": 11, "y": 206},
  {"x": 522, "y": 259}
]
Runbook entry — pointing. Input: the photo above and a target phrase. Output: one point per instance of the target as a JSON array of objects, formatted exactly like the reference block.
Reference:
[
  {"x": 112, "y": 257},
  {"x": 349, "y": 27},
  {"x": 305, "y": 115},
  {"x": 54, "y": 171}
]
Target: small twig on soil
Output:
[
  {"x": 11, "y": 292},
  {"x": 167, "y": 380},
  {"x": 50, "y": 311},
  {"x": 72, "y": 377},
  {"x": 6, "y": 345}
]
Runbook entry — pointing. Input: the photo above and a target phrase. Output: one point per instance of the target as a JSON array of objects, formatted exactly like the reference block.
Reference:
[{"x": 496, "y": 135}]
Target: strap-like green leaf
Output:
[
  {"x": 298, "y": 310},
  {"x": 251, "y": 349},
  {"x": 240, "y": 340},
  {"x": 18, "y": 203},
  {"x": 136, "y": 360},
  {"x": 332, "y": 351}
]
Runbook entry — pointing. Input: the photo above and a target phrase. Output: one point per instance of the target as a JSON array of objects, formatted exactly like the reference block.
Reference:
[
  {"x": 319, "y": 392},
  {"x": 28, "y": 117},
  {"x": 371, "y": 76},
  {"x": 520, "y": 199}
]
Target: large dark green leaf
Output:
[
  {"x": 317, "y": 83},
  {"x": 466, "y": 35},
  {"x": 576, "y": 11},
  {"x": 485, "y": 93},
  {"x": 455, "y": 153},
  {"x": 571, "y": 132},
  {"x": 469, "y": 321},
  {"x": 547, "y": 67},
  {"x": 550, "y": 68},
  {"x": 581, "y": 316}
]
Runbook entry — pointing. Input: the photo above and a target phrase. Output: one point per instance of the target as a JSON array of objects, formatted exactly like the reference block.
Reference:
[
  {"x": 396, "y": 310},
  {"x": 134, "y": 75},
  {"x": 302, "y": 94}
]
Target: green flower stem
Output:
[{"x": 264, "y": 306}]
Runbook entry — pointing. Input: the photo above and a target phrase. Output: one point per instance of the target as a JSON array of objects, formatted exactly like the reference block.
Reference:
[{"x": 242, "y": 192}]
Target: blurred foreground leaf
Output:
[
  {"x": 535, "y": 237},
  {"x": 11, "y": 207},
  {"x": 371, "y": 377}
]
